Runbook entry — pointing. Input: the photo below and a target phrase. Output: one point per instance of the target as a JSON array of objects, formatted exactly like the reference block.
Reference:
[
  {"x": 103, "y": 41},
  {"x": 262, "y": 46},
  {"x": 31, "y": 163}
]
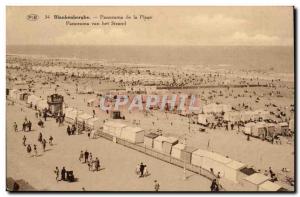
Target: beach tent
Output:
[
  {"x": 232, "y": 116},
  {"x": 84, "y": 117},
  {"x": 246, "y": 115},
  {"x": 13, "y": 94},
  {"x": 209, "y": 160},
  {"x": 94, "y": 123},
  {"x": 114, "y": 128},
  {"x": 149, "y": 139},
  {"x": 291, "y": 125},
  {"x": 269, "y": 186},
  {"x": 253, "y": 181},
  {"x": 72, "y": 115},
  {"x": 248, "y": 128},
  {"x": 32, "y": 99},
  {"x": 133, "y": 134},
  {"x": 210, "y": 108},
  {"x": 225, "y": 107},
  {"x": 205, "y": 119},
  {"x": 233, "y": 172},
  {"x": 42, "y": 104},
  {"x": 68, "y": 109},
  {"x": 177, "y": 150},
  {"x": 262, "y": 114}
]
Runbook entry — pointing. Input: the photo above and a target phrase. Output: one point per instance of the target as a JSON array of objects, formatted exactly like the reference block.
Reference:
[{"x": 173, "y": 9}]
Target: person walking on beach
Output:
[
  {"x": 24, "y": 140},
  {"x": 56, "y": 171},
  {"x": 142, "y": 167},
  {"x": 86, "y": 156},
  {"x": 214, "y": 186}
]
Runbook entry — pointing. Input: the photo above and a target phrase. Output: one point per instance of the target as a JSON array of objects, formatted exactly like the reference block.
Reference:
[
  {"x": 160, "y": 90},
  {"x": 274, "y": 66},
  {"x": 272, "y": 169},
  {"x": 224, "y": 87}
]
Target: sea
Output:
[{"x": 279, "y": 59}]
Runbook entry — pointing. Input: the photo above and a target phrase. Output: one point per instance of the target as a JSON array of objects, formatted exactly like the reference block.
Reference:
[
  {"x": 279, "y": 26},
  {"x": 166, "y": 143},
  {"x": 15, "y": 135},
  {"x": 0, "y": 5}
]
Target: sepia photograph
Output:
[{"x": 150, "y": 99}]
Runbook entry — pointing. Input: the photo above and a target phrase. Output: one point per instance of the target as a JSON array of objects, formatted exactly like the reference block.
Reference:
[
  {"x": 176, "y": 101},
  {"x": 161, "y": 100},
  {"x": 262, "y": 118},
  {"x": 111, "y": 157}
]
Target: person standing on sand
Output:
[
  {"x": 35, "y": 150},
  {"x": 69, "y": 130},
  {"x": 51, "y": 140},
  {"x": 24, "y": 140},
  {"x": 15, "y": 127},
  {"x": 56, "y": 171},
  {"x": 40, "y": 138},
  {"x": 63, "y": 174},
  {"x": 97, "y": 164},
  {"x": 28, "y": 149},
  {"x": 86, "y": 156},
  {"x": 29, "y": 125},
  {"x": 81, "y": 156},
  {"x": 44, "y": 142}
]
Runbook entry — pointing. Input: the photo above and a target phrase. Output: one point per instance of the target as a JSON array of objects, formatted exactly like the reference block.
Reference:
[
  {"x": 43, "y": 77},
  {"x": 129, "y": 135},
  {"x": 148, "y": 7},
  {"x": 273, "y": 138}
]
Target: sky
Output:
[{"x": 253, "y": 26}]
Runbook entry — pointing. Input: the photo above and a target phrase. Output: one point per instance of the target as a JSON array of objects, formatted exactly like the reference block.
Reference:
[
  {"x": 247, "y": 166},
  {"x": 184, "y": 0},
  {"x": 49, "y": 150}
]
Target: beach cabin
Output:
[
  {"x": 133, "y": 134},
  {"x": 114, "y": 128},
  {"x": 24, "y": 96},
  {"x": 233, "y": 172},
  {"x": 284, "y": 128},
  {"x": 177, "y": 150},
  {"x": 164, "y": 144},
  {"x": 253, "y": 181},
  {"x": 82, "y": 120},
  {"x": 186, "y": 153},
  {"x": 268, "y": 186},
  {"x": 211, "y": 161},
  {"x": 93, "y": 123},
  {"x": 149, "y": 139},
  {"x": 168, "y": 144},
  {"x": 259, "y": 130},
  {"x": 248, "y": 128}
]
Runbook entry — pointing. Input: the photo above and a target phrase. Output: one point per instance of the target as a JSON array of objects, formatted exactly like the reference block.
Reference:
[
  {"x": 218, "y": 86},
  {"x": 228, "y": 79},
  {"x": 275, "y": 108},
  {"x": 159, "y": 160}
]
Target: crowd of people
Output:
[{"x": 87, "y": 158}]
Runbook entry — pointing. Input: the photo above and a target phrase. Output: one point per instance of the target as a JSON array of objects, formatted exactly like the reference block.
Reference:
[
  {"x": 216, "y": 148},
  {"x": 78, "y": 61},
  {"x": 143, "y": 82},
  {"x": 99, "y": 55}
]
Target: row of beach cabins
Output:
[{"x": 213, "y": 163}]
